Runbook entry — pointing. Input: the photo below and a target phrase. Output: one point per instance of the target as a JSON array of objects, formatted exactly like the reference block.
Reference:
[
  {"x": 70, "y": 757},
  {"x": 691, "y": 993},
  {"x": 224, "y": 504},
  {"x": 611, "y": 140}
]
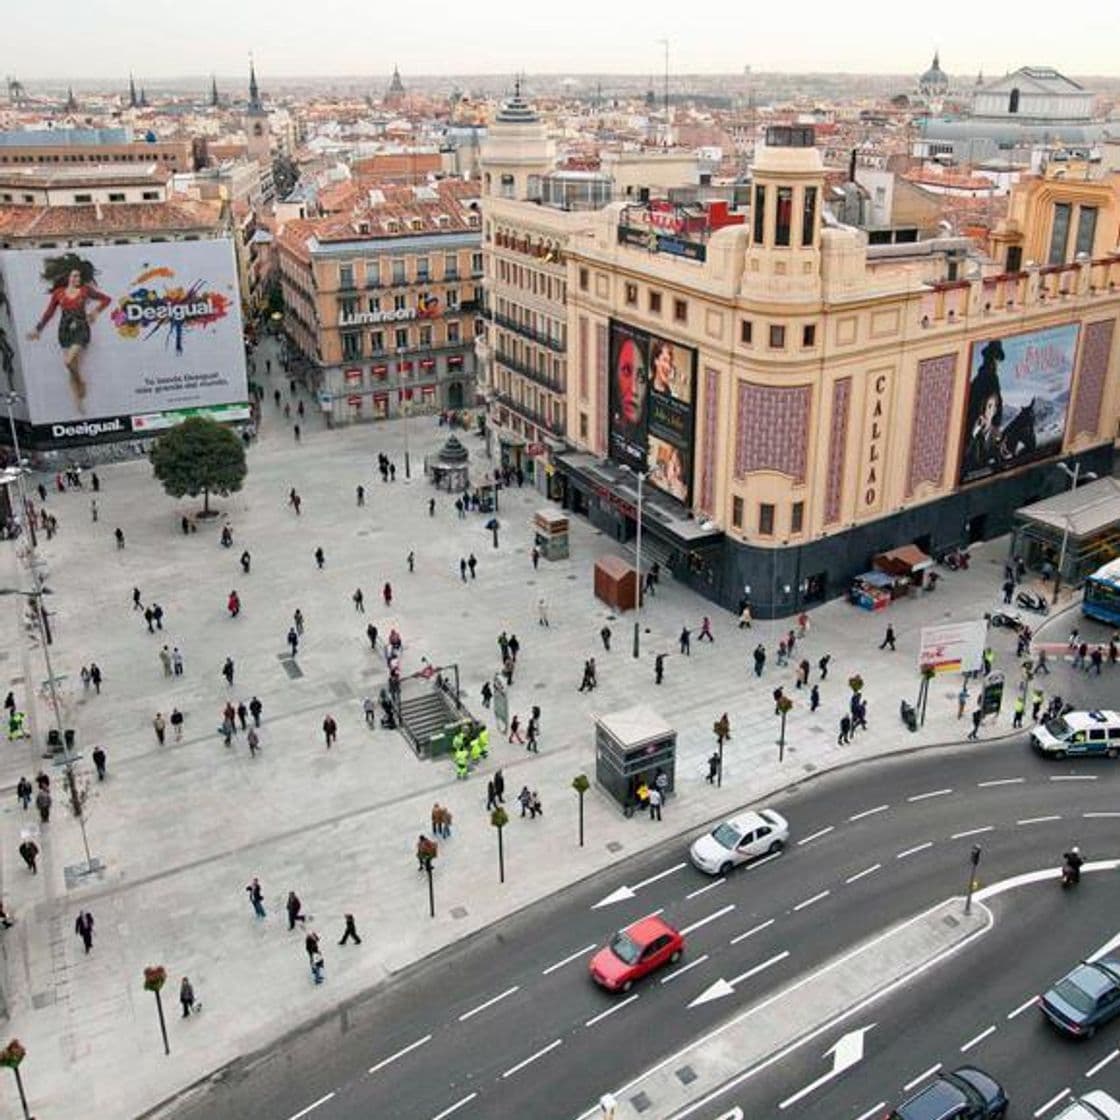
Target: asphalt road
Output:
[{"x": 507, "y": 1022}]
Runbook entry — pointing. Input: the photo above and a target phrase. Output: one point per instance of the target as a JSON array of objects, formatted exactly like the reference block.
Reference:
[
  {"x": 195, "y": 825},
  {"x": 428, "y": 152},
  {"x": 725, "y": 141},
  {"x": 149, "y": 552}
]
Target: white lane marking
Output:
[
  {"x": 400, "y": 1054},
  {"x": 1102, "y": 1063},
  {"x": 1073, "y": 778},
  {"x": 777, "y": 958},
  {"x": 810, "y": 901},
  {"x": 1051, "y": 1102},
  {"x": 683, "y": 969},
  {"x": 921, "y": 1077},
  {"x": 709, "y": 918},
  {"x": 751, "y": 932},
  {"x": 978, "y": 1039},
  {"x": 869, "y": 812},
  {"x": 660, "y": 875},
  {"x": 912, "y": 851},
  {"x": 455, "y": 1107},
  {"x": 1037, "y": 820},
  {"x": 877, "y": 1109},
  {"x": 311, "y": 1107},
  {"x": 866, "y": 871},
  {"x": 927, "y": 796},
  {"x": 652, "y": 914},
  {"x": 1040, "y": 876},
  {"x": 489, "y": 1003},
  {"x": 973, "y": 832},
  {"x": 568, "y": 960},
  {"x": 815, "y": 835},
  {"x": 1022, "y": 1007},
  {"x": 1091, "y": 816},
  {"x": 609, "y": 1011},
  {"x": 533, "y": 1057},
  {"x": 704, "y": 890},
  {"x": 1000, "y": 782}
]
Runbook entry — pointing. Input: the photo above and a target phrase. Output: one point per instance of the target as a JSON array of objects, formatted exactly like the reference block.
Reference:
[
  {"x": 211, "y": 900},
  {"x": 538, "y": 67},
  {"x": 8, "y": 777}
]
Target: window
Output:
[
  {"x": 766, "y": 519},
  {"x": 745, "y": 331},
  {"x": 737, "y": 512},
  {"x": 373, "y": 274},
  {"x": 78, "y": 198},
  {"x": 345, "y": 275},
  {"x": 452, "y": 298},
  {"x": 351, "y": 346},
  {"x": 759, "y": 214},
  {"x": 583, "y": 426},
  {"x": 426, "y": 335},
  {"x": 783, "y": 216},
  {"x": 453, "y": 331},
  {"x": 400, "y": 302},
  {"x": 398, "y": 272},
  {"x": 507, "y": 186},
  {"x": 1013, "y": 101},
  {"x": 401, "y": 338},
  {"x": 1059, "y": 233},
  {"x": 450, "y": 266},
  {"x": 348, "y": 308},
  {"x": 116, "y": 196},
  {"x": 680, "y": 310},
  {"x": 655, "y": 303},
  {"x": 1014, "y": 258},
  {"x": 377, "y": 341},
  {"x": 777, "y": 336},
  {"x": 797, "y": 517},
  {"x": 423, "y": 270},
  {"x": 1086, "y": 229},
  {"x": 808, "y": 215},
  {"x": 583, "y": 279},
  {"x": 631, "y": 294},
  {"x": 476, "y": 264},
  {"x": 150, "y": 196},
  {"x": 809, "y": 335}
]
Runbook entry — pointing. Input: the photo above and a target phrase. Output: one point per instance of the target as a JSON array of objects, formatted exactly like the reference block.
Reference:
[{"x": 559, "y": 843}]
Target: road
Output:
[{"x": 506, "y": 1023}]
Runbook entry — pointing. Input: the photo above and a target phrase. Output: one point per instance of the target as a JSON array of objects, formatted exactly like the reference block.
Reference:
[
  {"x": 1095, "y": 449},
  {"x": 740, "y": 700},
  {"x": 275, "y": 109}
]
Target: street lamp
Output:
[
  {"x": 24, "y": 519},
  {"x": 638, "y": 563},
  {"x": 1074, "y": 477},
  {"x": 406, "y": 401}
]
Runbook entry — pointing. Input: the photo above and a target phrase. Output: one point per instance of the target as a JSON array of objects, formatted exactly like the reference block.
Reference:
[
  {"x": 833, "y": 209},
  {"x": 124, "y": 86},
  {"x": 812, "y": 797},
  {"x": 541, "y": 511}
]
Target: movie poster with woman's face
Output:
[
  {"x": 1018, "y": 400},
  {"x": 653, "y": 383}
]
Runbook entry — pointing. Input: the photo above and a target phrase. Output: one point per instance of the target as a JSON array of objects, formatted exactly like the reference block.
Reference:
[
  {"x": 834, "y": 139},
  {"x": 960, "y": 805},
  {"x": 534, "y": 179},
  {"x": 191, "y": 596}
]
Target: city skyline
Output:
[{"x": 970, "y": 40}]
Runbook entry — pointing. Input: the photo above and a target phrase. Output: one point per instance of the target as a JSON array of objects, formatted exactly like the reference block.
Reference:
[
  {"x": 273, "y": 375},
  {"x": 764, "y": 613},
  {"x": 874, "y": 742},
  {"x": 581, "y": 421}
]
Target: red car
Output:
[{"x": 634, "y": 952}]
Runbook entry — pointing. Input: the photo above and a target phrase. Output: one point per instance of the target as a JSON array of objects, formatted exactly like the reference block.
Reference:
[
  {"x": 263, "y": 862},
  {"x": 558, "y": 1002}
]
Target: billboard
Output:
[
  {"x": 122, "y": 330},
  {"x": 651, "y": 401},
  {"x": 957, "y": 647},
  {"x": 1018, "y": 398}
]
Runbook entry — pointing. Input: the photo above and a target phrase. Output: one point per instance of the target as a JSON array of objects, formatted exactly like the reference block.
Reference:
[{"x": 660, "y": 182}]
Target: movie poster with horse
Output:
[{"x": 1018, "y": 399}]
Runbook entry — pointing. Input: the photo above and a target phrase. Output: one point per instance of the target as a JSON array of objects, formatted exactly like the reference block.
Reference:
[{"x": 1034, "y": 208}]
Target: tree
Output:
[
  {"x": 197, "y": 456},
  {"x": 499, "y": 818},
  {"x": 581, "y": 785}
]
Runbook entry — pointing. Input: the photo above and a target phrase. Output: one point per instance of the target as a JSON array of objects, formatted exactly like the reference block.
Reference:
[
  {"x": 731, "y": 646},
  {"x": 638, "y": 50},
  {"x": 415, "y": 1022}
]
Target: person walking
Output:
[
  {"x": 297, "y": 621},
  {"x": 246, "y": 562},
  {"x": 350, "y": 933},
  {"x": 713, "y": 768},
  {"x": 515, "y": 727},
  {"x": 535, "y": 808},
  {"x": 411, "y": 558},
  {"x": 119, "y": 535},
  {"x": 605, "y": 636},
  {"x": 431, "y": 507},
  {"x": 227, "y": 671},
  {"x": 1036, "y": 704},
  {"x": 888, "y": 639},
  {"x": 487, "y": 694},
  {"x": 803, "y": 672},
  {"x": 722, "y": 729},
  {"x": 359, "y": 601},
  {"x": 822, "y": 666},
  {"x": 100, "y": 762},
  {"x": 491, "y": 796},
  {"x": 176, "y": 720},
  {"x": 136, "y": 604},
  {"x": 361, "y": 492},
  {"x": 29, "y": 851},
  {"x": 387, "y": 594},
  {"x": 659, "y": 668},
  {"x": 531, "y": 736},
  {"x": 585, "y": 685},
  {"x": 23, "y": 792},
  {"x": 371, "y": 633},
  {"x": 320, "y": 558},
  {"x": 977, "y": 717},
  {"x": 425, "y": 852},
  {"x": 293, "y": 640},
  {"x": 95, "y": 676},
  {"x": 499, "y": 786},
  {"x": 759, "y": 659},
  {"x": 256, "y": 897},
  {"x": 962, "y": 701},
  {"x": 254, "y": 741},
  {"x": 255, "y": 709},
  {"x": 655, "y": 799},
  {"x": 330, "y": 730},
  {"x": 311, "y": 945},
  {"x": 779, "y": 695},
  {"x": 814, "y": 698},
  {"x": 186, "y": 997},
  {"x": 295, "y": 910},
  {"x": 159, "y": 724},
  {"x": 472, "y": 563},
  {"x": 525, "y": 800},
  {"x": 242, "y": 715},
  {"x": 705, "y": 630},
  {"x": 535, "y": 556},
  {"x": 542, "y": 613},
  {"x": 845, "y": 736},
  {"x": 686, "y": 641},
  {"x": 463, "y": 568},
  {"x": 43, "y": 804},
  {"x": 83, "y": 927},
  {"x": 177, "y": 662},
  {"x": 233, "y": 604},
  {"x": 1019, "y": 709},
  {"x": 745, "y": 617}
]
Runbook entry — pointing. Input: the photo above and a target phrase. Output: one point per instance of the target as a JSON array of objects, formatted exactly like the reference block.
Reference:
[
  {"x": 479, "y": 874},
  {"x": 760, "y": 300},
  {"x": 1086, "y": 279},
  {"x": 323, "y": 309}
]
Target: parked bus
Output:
[{"x": 1102, "y": 594}]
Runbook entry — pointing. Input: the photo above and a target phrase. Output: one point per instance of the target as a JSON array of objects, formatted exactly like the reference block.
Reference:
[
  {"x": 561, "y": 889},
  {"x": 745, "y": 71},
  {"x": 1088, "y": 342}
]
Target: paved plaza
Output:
[{"x": 182, "y": 828}]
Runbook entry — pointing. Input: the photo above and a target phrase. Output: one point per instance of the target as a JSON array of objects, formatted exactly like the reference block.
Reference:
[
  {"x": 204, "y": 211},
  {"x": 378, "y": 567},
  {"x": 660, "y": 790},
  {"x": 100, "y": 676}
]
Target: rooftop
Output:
[{"x": 116, "y": 218}]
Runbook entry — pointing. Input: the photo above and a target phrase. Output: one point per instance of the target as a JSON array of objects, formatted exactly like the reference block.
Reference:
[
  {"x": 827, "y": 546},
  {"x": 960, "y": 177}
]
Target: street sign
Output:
[
  {"x": 991, "y": 699},
  {"x": 954, "y": 648}
]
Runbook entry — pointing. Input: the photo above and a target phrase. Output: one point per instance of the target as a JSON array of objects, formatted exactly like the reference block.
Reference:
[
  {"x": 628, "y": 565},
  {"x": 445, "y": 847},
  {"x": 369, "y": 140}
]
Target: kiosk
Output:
[
  {"x": 551, "y": 534},
  {"x": 631, "y": 746}
]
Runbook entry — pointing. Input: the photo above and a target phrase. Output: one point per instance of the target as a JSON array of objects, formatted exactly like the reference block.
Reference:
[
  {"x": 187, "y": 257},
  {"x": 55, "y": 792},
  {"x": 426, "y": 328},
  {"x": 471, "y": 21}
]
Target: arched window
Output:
[{"x": 1013, "y": 101}]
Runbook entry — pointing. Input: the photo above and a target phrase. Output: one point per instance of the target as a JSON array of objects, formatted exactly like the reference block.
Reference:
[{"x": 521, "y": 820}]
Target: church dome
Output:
[{"x": 934, "y": 80}]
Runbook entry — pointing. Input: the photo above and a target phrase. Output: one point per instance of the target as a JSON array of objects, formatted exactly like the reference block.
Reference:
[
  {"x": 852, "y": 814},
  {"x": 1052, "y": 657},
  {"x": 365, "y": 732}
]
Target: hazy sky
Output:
[{"x": 167, "y": 38}]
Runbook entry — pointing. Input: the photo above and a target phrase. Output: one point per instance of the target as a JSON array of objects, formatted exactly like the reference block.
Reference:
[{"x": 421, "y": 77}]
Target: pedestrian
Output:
[
  {"x": 320, "y": 558},
  {"x": 246, "y": 562},
  {"x": 295, "y": 910},
  {"x": 585, "y": 684},
  {"x": 713, "y": 767},
  {"x": 254, "y": 741},
  {"x": 745, "y": 617},
  {"x": 962, "y": 701},
  {"x": 605, "y": 635},
  {"x": 977, "y": 716},
  {"x": 23, "y": 793},
  {"x": 371, "y": 633},
  {"x": 83, "y": 927},
  {"x": 524, "y": 799},
  {"x": 1019, "y": 709},
  {"x": 293, "y": 640},
  {"x": 176, "y": 720},
  {"x": 989, "y": 657},
  {"x": 255, "y": 709},
  {"x": 227, "y": 729},
  {"x": 814, "y": 698},
  {"x": 186, "y": 996},
  {"x": 803, "y": 672},
  {"x": 369, "y": 710},
  {"x": 722, "y": 729},
  {"x": 100, "y": 761},
  {"x": 233, "y": 604},
  {"x": 655, "y": 799},
  {"x": 686, "y": 641},
  {"x": 295, "y": 427},
  {"x": 242, "y": 715},
  {"x": 499, "y": 786},
  {"x": 1036, "y": 704},
  {"x": 149, "y": 618},
  {"x": 822, "y": 666},
  {"x": 463, "y": 568},
  {"x": 165, "y": 661},
  {"x": 330, "y": 730},
  {"x": 888, "y": 638},
  {"x": 531, "y": 737},
  {"x": 29, "y": 850},
  {"x": 361, "y": 492},
  {"x": 294, "y": 500},
  {"x": 119, "y": 535},
  {"x": 1008, "y": 590},
  {"x": 350, "y": 933},
  {"x": 514, "y": 646},
  {"x": 160, "y": 726},
  {"x": 783, "y": 652},
  {"x": 659, "y": 668},
  {"x": 426, "y": 851},
  {"x": 445, "y": 822},
  {"x": 515, "y": 726},
  {"x": 759, "y": 659},
  {"x": 177, "y": 661},
  {"x": 227, "y": 671},
  {"x": 43, "y": 804},
  {"x": 535, "y": 809},
  {"x": 705, "y": 630},
  {"x": 93, "y": 509},
  {"x": 472, "y": 563},
  {"x": 297, "y": 619},
  {"x": 256, "y": 897},
  {"x": 487, "y": 694},
  {"x": 779, "y": 695},
  {"x": 535, "y": 555},
  {"x": 802, "y": 624},
  {"x": 359, "y": 600},
  {"x": 542, "y": 613},
  {"x": 157, "y": 614},
  {"x": 431, "y": 507},
  {"x": 491, "y": 796},
  {"x": 311, "y": 945},
  {"x": 411, "y": 558},
  {"x": 136, "y": 604},
  {"x": 387, "y": 594}
]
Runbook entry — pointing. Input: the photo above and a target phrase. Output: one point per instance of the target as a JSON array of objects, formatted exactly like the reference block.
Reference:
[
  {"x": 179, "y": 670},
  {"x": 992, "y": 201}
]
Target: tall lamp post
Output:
[
  {"x": 24, "y": 519},
  {"x": 406, "y": 401},
  {"x": 1074, "y": 476},
  {"x": 638, "y": 562}
]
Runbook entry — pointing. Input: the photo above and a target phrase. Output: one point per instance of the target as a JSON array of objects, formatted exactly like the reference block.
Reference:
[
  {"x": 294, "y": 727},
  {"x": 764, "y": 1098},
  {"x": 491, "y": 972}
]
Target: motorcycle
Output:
[
  {"x": 955, "y": 559},
  {"x": 1005, "y": 621},
  {"x": 1071, "y": 868},
  {"x": 1032, "y": 602}
]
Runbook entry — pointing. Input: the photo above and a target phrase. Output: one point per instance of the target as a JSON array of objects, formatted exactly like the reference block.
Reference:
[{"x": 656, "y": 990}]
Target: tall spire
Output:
[
  {"x": 254, "y": 93},
  {"x": 132, "y": 101},
  {"x": 213, "y": 90}
]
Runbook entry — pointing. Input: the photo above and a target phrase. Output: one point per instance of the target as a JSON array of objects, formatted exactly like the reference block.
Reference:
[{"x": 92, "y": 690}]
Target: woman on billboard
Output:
[{"x": 70, "y": 279}]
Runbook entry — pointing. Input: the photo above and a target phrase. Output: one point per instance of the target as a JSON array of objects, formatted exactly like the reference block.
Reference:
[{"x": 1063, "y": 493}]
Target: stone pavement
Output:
[{"x": 181, "y": 828}]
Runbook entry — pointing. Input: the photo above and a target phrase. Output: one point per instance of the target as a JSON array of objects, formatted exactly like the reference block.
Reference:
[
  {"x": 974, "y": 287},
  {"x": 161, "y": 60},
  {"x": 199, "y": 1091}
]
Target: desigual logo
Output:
[
  {"x": 86, "y": 428},
  {"x": 156, "y": 304}
]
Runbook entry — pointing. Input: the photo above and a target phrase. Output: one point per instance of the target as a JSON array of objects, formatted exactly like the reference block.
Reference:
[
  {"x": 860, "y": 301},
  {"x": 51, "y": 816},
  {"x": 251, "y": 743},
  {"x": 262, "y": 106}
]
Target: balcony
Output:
[
  {"x": 528, "y": 332},
  {"x": 557, "y": 428},
  {"x": 556, "y": 385}
]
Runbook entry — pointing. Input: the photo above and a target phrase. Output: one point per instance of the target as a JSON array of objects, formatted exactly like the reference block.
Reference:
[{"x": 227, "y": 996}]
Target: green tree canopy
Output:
[{"x": 198, "y": 456}]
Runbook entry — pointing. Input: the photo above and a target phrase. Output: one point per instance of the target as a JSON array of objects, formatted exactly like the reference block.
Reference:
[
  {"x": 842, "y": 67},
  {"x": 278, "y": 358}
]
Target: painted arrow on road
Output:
[
  {"x": 723, "y": 987},
  {"x": 623, "y": 893},
  {"x": 846, "y": 1052}
]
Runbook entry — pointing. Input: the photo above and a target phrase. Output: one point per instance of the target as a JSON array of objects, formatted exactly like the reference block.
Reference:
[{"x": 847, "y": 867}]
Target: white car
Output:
[
  {"x": 1092, "y": 1106},
  {"x": 739, "y": 839}
]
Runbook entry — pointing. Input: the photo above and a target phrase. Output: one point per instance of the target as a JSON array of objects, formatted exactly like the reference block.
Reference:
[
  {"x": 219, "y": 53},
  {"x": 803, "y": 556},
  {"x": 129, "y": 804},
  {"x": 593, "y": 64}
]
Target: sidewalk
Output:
[{"x": 182, "y": 828}]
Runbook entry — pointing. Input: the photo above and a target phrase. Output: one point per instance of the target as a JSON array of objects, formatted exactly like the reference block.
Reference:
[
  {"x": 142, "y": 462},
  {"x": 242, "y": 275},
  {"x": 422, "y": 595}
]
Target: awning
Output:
[
  {"x": 903, "y": 561},
  {"x": 875, "y": 579}
]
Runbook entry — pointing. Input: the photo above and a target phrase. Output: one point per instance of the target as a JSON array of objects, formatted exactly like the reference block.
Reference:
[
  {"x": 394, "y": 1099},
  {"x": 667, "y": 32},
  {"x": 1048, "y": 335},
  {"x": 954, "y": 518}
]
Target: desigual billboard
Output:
[{"x": 122, "y": 330}]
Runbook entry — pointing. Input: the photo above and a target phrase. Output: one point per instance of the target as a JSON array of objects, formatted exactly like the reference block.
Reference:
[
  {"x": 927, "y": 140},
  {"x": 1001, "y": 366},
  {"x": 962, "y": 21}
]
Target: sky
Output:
[{"x": 290, "y": 38}]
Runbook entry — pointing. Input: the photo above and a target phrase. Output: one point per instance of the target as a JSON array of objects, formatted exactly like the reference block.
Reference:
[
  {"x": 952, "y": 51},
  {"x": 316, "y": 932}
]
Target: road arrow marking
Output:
[
  {"x": 623, "y": 893},
  {"x": 846, "y": 1052},
  {"x": 723, "y": 987}
]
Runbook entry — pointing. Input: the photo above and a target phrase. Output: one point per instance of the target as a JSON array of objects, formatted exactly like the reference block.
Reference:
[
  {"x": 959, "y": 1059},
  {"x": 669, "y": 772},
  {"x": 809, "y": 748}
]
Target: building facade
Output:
[{"x": 384, "y": 304}]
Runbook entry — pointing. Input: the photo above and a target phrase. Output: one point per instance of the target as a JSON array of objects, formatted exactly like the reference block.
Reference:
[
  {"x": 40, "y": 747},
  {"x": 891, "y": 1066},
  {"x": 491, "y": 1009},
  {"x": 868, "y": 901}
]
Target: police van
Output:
[{"x": 1079, "y": 733}]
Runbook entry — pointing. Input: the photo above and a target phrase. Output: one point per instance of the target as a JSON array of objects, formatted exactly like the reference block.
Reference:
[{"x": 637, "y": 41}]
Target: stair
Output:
[{"x": 426, "y": 711}]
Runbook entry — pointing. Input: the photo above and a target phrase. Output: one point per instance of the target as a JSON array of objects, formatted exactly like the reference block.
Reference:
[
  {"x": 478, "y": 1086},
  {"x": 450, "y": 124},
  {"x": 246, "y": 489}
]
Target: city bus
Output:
[{"x": 1102, "y": 594}]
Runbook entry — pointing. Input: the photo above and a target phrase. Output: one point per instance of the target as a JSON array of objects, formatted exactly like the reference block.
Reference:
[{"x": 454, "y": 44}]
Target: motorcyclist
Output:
[{"x": 1071, "y": 865}]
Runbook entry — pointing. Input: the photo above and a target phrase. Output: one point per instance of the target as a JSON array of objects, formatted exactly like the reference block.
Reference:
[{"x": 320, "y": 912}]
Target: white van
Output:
[{"x": 1079, "y": 733}]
